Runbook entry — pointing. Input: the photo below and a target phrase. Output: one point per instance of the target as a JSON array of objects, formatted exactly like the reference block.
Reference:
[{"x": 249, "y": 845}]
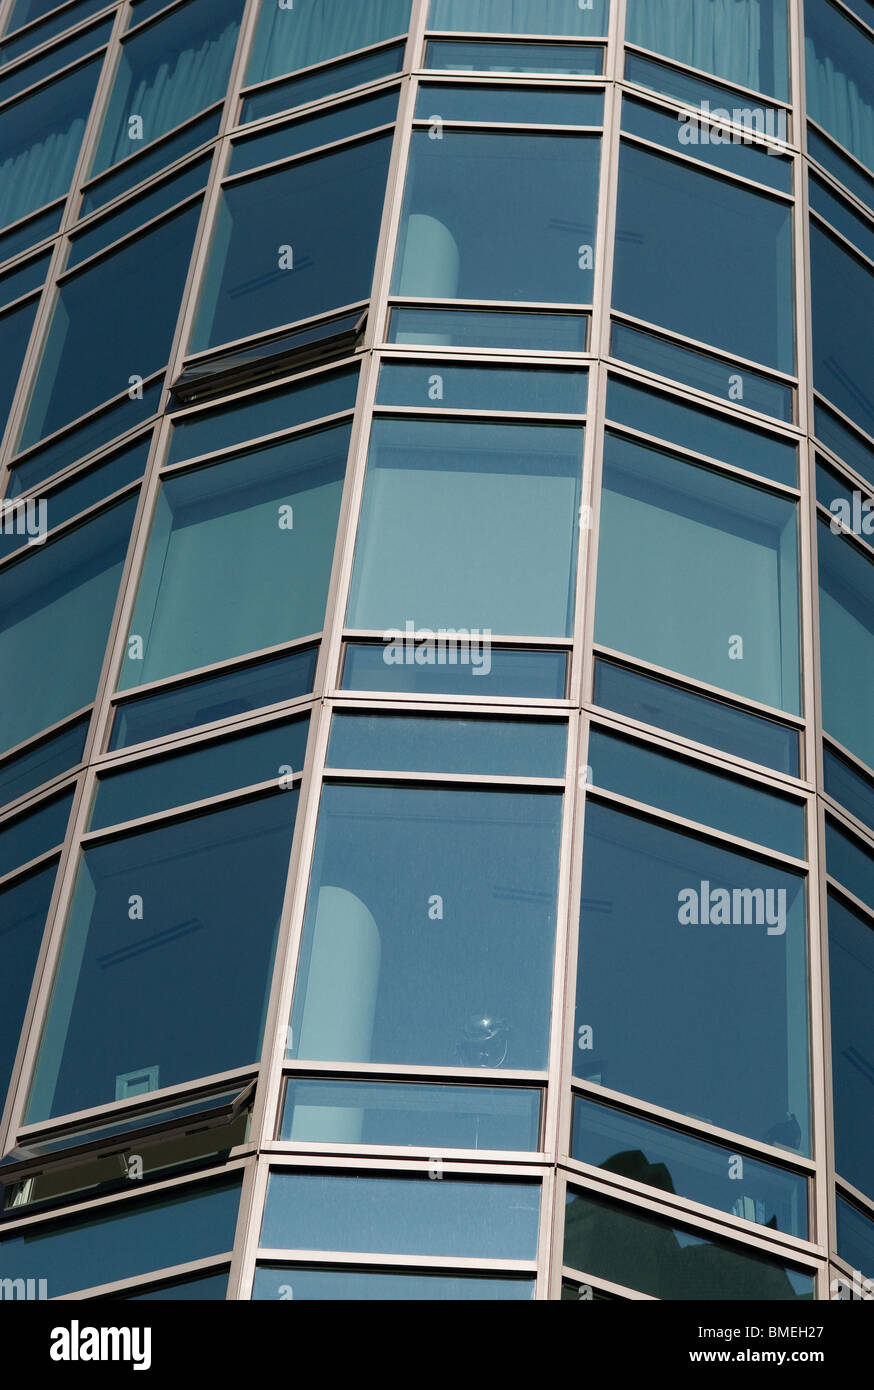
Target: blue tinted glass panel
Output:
[
  {"x": 687, "y": 789},
  {"x": 855, "y": 1238},
  {"x": 26, "y": 11},
  {"x": 13, "y": 243},
  {"x": 14, "y": 336},
  {"x": 180, "y": 990},
  {"x": 531, "y": 674},
  {"x": 78, "y": 443},
  {"x": 203, "y": 1288},
  {"x": 220, "y": 697},
  {"x": 846, "y": 622},
  {"x": 276, "y": 511},
  {"x": 27, "y": 277},
  {"x": 848, "y": 786},
  {"x": 674, "y": 1162},
  {"x": 202, "y": 772},
  {"x": 24, "y": 77},
  {"x": 737, "y": 626},
  {"x": 312, "y": 31},
  {"x": 852, "y": 509},
  {"x": 374, "y": 986},
  {"x": 492, "y": 329},
  {"x": 340, "y": 77},
  {"x": 313, "y": 131},
  {"x": 527, "y": 17},
  {"x": 702, "y": 432},
  {"x": 127, "y": 303},
  {"x": 844, "y": 442},
  {"x": 696, "y": 717},
  {"x": 843, "y": 309},
  {"x": 509, "y": 105},
  {"x": 698, "y": 369},
  {"x": 56, "y": 606},
  {"x": 120, "y": 1242},
  {"x": 485, "y": 747},
  {"x": 26, "y": 837},
  {"x": 402, "y": 1215},
  {"x": 849, "y": 862},
  {"x": 406, "y": 1115},
  {"x": 267, "y": 268},
  {"x": 841, "y": 216},
  {"x": 497, "y": 492},
  {"x": 167, "y": 73},
  {"x": 839, "y": 65},
  {"x": 744, "y": 42},
  {"x": 664, "y": 204},
  {"x": 444, "y": 386},
  {"x": 459, "y": 55},
  {"x": 695, "y": 91},
  {"x": 371, "y": 1286},
  {"x": 134, "y": 214},
  {"x": 140, "y": 167},
  {"x": 844, "y": 170},
  {"x": 39, "y": 142},
  {"x": 630, "y": 1247},
  {"x": 713, "y": 144},
  {"x": 23, "y": 910},
  {"x": 48, "y": 760},
  {"x": 698, "y": 935},
  {"x": 466, "y": 233},
  {"x": 851, "y": 983}
]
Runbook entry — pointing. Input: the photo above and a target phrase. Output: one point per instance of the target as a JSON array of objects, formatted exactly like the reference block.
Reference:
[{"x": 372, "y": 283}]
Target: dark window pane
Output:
[
  {"x": 400, "y": 962},
  {"x": 446, "y": 386},
  {"x": 714, "y": 144},
  {"x": 205, "y": 771},
  {"x": 310, "y": 132},
  {"x": 491, "y": 329},
  {"x": 23, "y": 279},
  {"x": 846, "y": 171},
  {"x": 404, "y": 1114},
  {"x": 852, "y": 509},
  {"x": 851, "y": 982},
  {"x": 846, "y": 623},
  {"x": 23, "y": 237},
  {"x": 709, "y": 944},
  {"x": 696, "y": 717},
  {"x": 498, "y": 216},
  {"x": 26, "y": 11},
  {"x": 47, "y": 760},
  {"x": 203, "y": 1288},
  {"x": 158, "y": 982},
  {"x": 438, "y": 101},
  {"x": 141, "y": 210},
  {"x": 139, "y": 167},
  {"x": 664, "y": 204},
  {"x": 39, "y": 142},
  {"x": 839, "y": 60},
  {"x": 130, "y": 1238},
  {"x": 843, "y": 309},
  {"x": 736, "y": 627},
  {"x": 277, "y": 510},
  {"x": 26, "y": 837},
  {"x": 294, "y": 243},
  {"x": 402, "y": 1215},
  {"x": 511, "y": 17},
  {"x": 312, "y": 31},
  {"x": 844, "y": 442},
  {"x": 630, "y": 1247},
  {"x": 855, "y": 1238},
  {"x": 327, "y": 82},
  {"x": 695, "y": 91},
  {"x": 460, "y": 55},
  {"x": 370, "y": 1286},
  {"x": 531, "y": 674},
  {"x": 56, "y": 606},
  {"x": 23, "y": 910},
  {"x": 14, "y": 337},
  {"x": 266, "y": 683},
  {"x": 688, "y": 789},
  {"x": 745, "y": 42},
  {"x": 413, "y": 743},
  {"x": 842, "y": 217},
  {"x": 848, "y": 786},
  {"x": 675, "y": 1162},
  {"x": 848, "y": 860},
  {"x": 21, "y": 78},
  {"x": 126, "y": 303}
]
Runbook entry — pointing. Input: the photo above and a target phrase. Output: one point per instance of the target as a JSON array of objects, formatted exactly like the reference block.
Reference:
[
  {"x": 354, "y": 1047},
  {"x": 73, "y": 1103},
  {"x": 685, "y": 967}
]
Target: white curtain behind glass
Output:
[
  {"x": 40, "y": 173},
  {"x": 837, "y": 104},
  {"x": 718, "y": 36},
  {"x": 564, "y": 18},
  {"x": 315, "y": 30}
]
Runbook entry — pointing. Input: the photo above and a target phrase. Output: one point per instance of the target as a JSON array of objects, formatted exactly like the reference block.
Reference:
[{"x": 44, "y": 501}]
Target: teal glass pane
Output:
[
  {"x": 842, "y": 217},
  {"x": 299, "y": 35},
  {"x": 14, "y": 337},
  {"x": 839, "y": 65},
  {"x": 848, "y": 786},
  {"x": 481, "y": 747},
  {"x": 510, "y": 105},
  {"x": 29, "y": 233},
  {"x": 255, "y": 687},
  {"x": 327, "y": 82},
  {"x": 687, "y": 789},
  {"x": 696, "y": 91},
  {"x": 710, "y": 945},
  {"x": 309, "y": 133},
  {"x": 205, "y": 771},
  {"x": 23, "y": 911},
  {"x": 736, "y": 625},
  {"x": 848, "y": 860},
  {"x": 730, "y": 381},
  {"x": 275, "y": 511},
  {"x": 846, "y": 443},
  {"x": 123, "y": 1241},
  {"x": 851, "y": 984},
  {"x": 461, "y": 55},
  {"x": 855, "y": 1240},
  {"x": 202, "y": 1288},
  {"x": 490, "y": 329},
  {"x": 674, "y": 1162},
  {"x": 852, "y": 509},
  {"x": 21, "y": 78},
  {"x": 744, "y": 41},
  {"x": 845, "y": 170},
  {"x": 696, "y": 717},
  {"x": 493, "y": 495},
  {"x": 138, "y": 167},
  {"x": 166, "y": 961},
  {"x": 26, "y": 11},
  {"x": 702, "y": 432},
  {"x": 842, "y": 308},
  {"x": 528, "y": 17},
  {"x": 846, "y": 624},
  {"x": 265, "y": 413},
  {"x": 40, "y": 139},
  {"x": 494, "y": 672},
  {"x": 134, "y": 214},
  {"x": 49, "y": 759},
  {"x": 713, "y": 144},
  {"x": 126, "y": 303},
  {"x": 371, "y": 1286},
  {"x": 467, "y": 231},
  {"x": 406, "y": 1115},
  {"x": 25, "y": 278},
  {"x": 293, "y": 243},
  {"x": 402, "y": 1215},
  {"x": 628, "y": 1246},
  {"x": 56, "y": 606},
  {"x": 167, "y": 73},
  {"x": 444, "y": 386},
  {"x": 399, "y": 962},
  {"x": 664, "y": 204},
  {"x": 26, "y": 837}
]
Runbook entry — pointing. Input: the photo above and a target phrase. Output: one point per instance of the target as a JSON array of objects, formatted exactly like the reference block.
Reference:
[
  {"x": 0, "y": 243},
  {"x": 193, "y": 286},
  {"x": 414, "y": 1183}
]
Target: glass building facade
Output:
[{"x": 437, "y": 649}]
